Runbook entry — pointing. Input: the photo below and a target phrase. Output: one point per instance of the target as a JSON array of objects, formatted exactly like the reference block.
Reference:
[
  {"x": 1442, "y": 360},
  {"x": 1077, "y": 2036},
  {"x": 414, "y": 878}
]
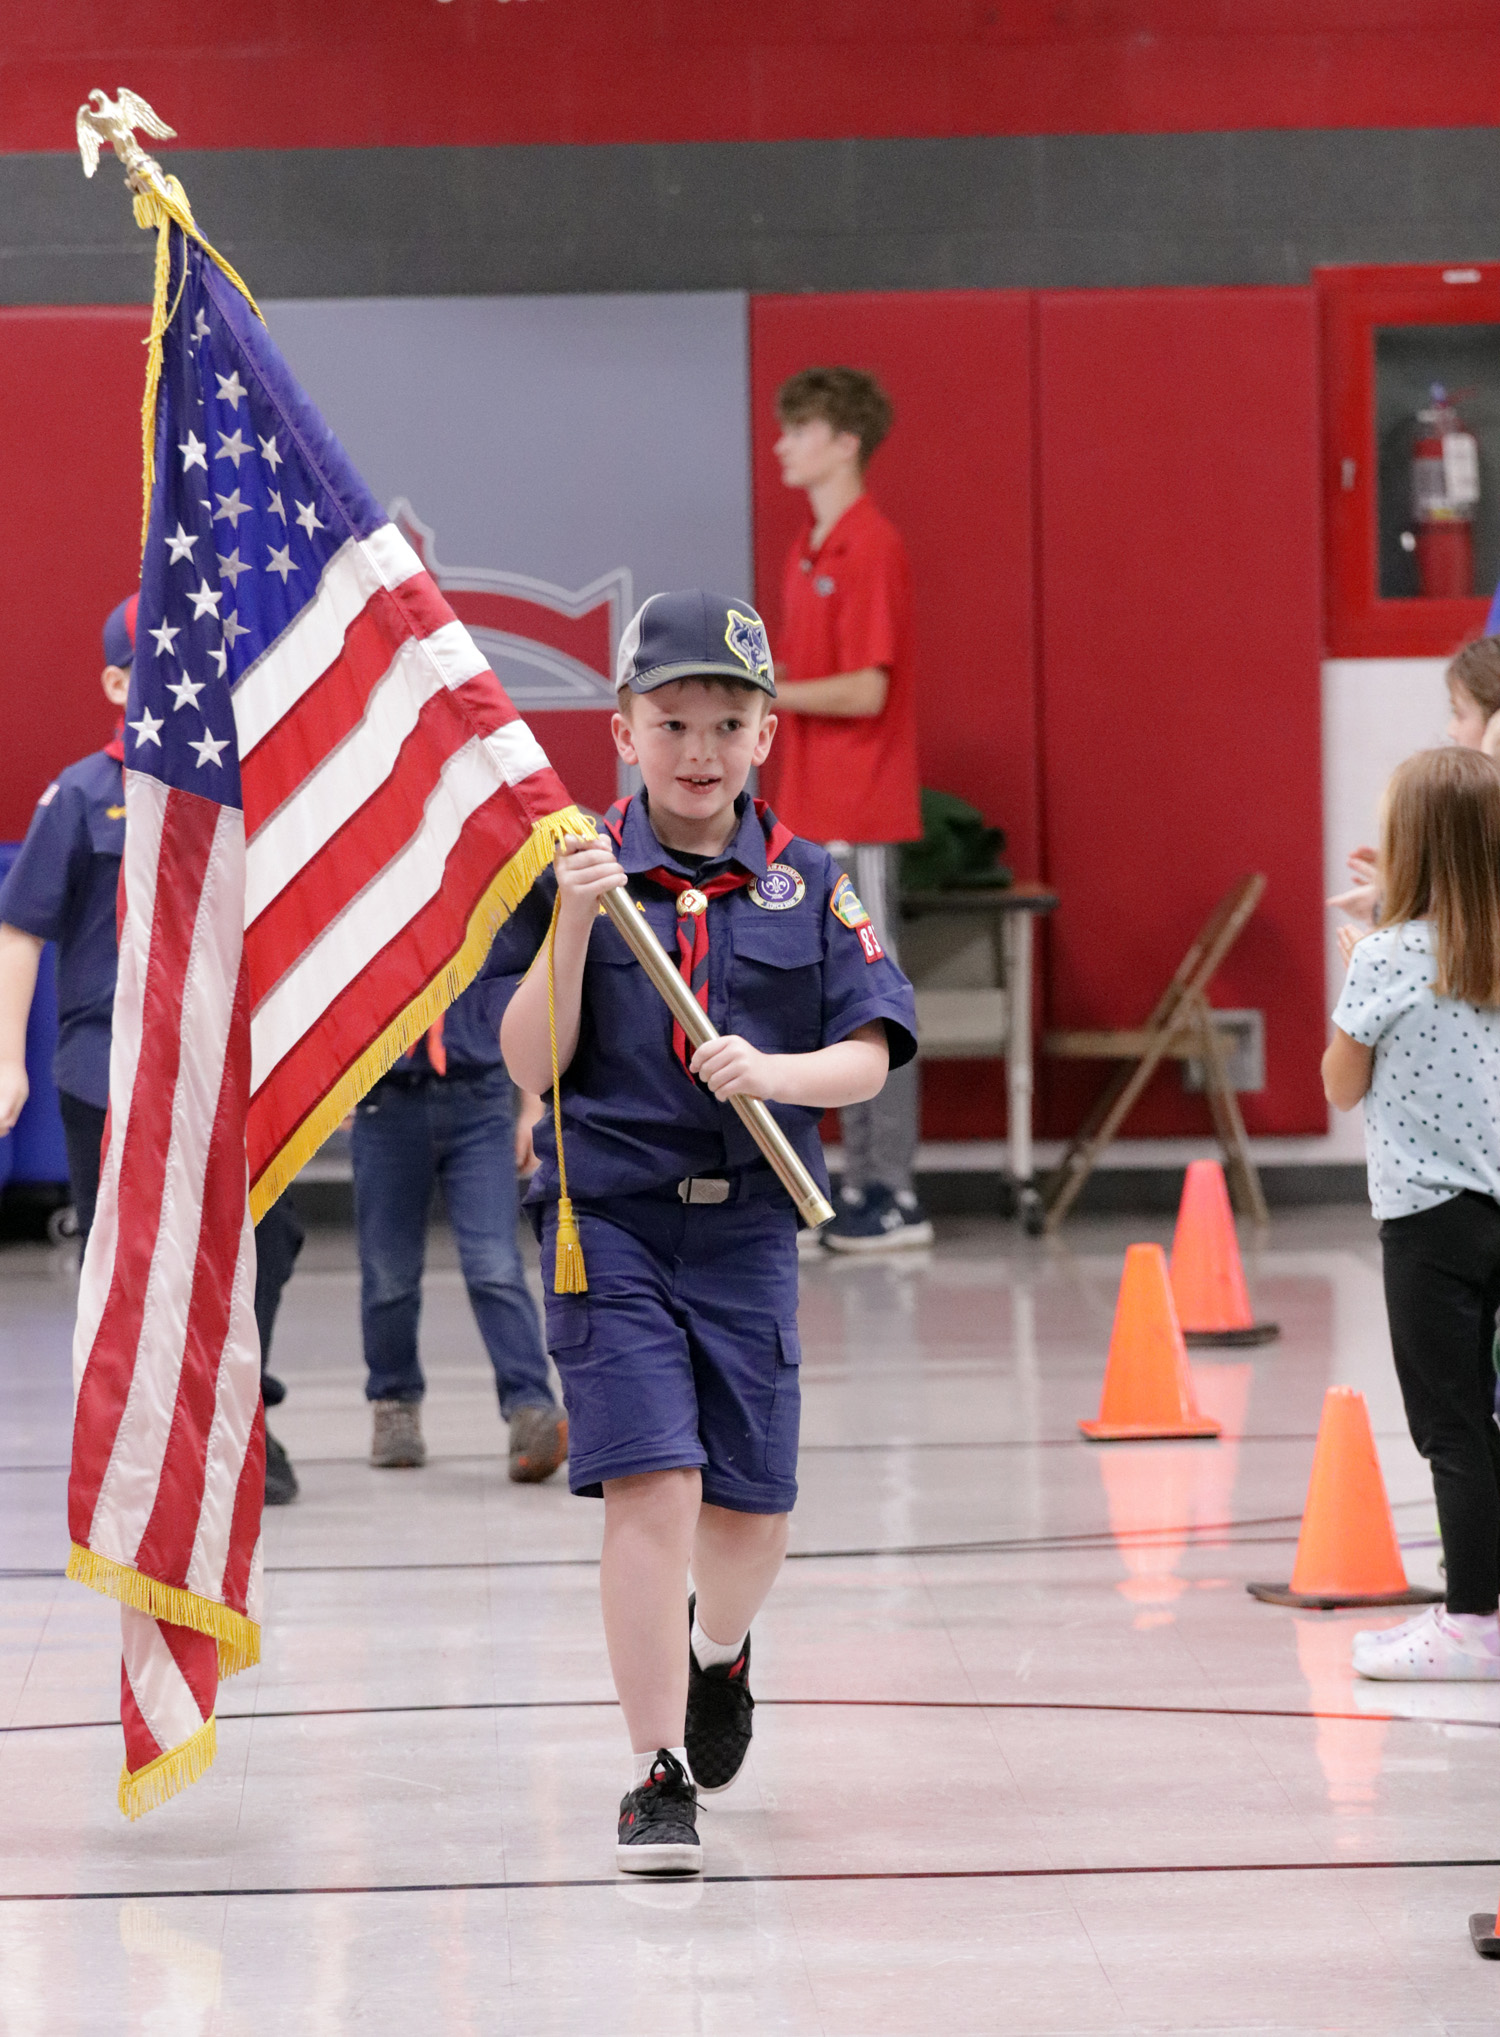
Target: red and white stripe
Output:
[
  {"x": 169, "y": 1680},
  {"x": 386, "y": 780}
]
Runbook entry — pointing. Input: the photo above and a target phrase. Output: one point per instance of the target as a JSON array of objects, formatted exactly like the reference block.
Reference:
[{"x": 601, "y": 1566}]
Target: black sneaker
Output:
[
  {"x": 719, "y": 1722},
  {"x": 658, "y": 1822},
  {"x": 281, "y": 1480}
]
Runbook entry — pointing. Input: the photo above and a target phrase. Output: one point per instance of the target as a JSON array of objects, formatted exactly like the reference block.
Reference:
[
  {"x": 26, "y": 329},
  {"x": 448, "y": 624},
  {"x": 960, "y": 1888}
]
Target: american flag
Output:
[{"x": 330, "y": 806}]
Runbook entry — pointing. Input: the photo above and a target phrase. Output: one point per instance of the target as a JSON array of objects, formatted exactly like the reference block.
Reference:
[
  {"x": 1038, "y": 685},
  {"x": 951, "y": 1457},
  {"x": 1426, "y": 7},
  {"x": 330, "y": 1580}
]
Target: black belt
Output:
[{"x": 754, "y": 1184}]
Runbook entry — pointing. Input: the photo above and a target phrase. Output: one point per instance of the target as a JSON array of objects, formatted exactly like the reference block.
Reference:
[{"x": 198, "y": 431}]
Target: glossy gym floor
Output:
[{"x": 1027, "y": 1757}]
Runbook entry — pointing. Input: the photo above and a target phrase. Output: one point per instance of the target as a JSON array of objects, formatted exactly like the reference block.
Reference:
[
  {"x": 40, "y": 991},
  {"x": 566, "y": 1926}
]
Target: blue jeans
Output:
[{"x": 457, "y": 1131}]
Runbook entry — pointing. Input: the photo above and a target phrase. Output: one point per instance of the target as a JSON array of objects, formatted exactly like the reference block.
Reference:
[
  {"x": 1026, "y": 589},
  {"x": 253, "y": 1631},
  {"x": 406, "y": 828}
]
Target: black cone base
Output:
[
  {"x": 1330, "y": 1602},
  {"x": 1482, "y": 1935},
  {"x": 1253, "y": 1333}
]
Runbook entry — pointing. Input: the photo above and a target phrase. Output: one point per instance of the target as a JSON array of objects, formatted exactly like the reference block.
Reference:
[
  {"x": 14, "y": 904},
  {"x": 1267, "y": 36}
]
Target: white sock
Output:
[
  {"x": 709, "y": 1653},
  {"x": 1478, "y": 1630},
  {"x": 642, "y": 1763}
]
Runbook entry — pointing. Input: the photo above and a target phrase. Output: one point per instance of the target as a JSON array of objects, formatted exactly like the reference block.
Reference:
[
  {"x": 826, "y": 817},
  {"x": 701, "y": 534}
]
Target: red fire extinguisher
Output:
[{"x": 1444, "y": 492}]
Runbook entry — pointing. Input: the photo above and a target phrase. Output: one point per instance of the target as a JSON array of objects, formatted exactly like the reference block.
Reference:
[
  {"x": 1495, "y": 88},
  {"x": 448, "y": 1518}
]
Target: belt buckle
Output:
[{"x": 704, "y": 1188}]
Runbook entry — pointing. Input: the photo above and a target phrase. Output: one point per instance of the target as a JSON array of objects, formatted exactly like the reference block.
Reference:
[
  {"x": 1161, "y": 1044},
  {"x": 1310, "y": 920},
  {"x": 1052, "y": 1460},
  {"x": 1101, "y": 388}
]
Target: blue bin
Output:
[{"x": 35, "y": 1150}]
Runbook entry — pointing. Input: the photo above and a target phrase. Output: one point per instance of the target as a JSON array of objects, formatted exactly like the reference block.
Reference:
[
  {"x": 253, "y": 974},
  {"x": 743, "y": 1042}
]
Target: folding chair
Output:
[{"x": 1181, "y": 1028}]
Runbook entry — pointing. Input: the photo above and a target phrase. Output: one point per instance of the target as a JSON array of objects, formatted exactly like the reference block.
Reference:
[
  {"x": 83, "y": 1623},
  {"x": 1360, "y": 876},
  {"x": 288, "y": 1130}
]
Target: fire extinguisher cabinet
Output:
[{"x": 1411, "y": 456}]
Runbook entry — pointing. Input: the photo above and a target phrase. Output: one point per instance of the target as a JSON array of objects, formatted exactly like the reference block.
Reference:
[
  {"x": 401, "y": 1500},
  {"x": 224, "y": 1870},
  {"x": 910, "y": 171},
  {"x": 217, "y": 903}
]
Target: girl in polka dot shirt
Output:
[{"x": 1416, "y": 1035}]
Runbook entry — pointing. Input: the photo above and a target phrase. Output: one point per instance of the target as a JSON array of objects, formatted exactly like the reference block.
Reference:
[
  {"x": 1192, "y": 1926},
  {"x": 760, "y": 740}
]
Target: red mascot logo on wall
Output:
[{"x": 550, "y": 647}]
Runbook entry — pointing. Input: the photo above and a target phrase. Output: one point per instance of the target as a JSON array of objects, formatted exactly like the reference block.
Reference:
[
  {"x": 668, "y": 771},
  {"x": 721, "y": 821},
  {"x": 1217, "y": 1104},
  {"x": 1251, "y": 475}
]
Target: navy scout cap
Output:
[
  {"x": 694, "y": 636},
  {"x": 119, "y": 633}
]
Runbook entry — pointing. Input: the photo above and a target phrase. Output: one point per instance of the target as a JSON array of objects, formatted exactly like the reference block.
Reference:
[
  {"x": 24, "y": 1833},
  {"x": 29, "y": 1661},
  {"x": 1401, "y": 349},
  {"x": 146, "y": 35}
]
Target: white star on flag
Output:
[
  {"x": 165, "y": 636},
  {"x": 182, "y": 545},
  {"x": 205, "y": 600},
  {"x": 232, "y": 448},
  {"x": 231, "y": 388},
  {"x": 210, "y": 749},
  {"x": 234, "y": 629},
  {"x": 282, "y": 562},
  {"x": 275, "y": 497},
  {"x": 230, "y": 506},
  {"x": 146, "y": 728},
  {"x": 200, "y": 326},
  {"x": 232, "y": 567},
  {"x": 307, "y": 516},
  {"x": 186, "y": 691},
  {"x": 221, "y": 660},
  {"x": 193, "y": 453},
  {"x": 270, "y": 452}
]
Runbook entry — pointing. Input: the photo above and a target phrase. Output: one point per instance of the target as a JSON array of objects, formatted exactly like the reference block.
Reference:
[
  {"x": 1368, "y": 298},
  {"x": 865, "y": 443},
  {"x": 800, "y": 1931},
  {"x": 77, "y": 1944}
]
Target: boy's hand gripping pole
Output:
[{"x": 812, "y": 1205}]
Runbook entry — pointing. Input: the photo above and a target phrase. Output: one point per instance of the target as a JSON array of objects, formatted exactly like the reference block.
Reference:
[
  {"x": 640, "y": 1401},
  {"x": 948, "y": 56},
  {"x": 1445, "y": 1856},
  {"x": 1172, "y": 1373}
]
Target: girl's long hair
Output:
[{"x": 1440, "y": 860}]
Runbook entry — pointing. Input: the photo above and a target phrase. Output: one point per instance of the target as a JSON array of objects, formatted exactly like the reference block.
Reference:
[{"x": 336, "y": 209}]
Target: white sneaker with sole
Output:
[{"x": 1431, "y": 1648}]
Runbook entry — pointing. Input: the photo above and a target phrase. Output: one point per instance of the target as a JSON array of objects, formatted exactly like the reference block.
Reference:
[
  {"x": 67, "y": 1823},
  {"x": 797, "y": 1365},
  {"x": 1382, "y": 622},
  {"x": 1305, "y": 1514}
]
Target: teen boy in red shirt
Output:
[{"x": 845, "y": 766}]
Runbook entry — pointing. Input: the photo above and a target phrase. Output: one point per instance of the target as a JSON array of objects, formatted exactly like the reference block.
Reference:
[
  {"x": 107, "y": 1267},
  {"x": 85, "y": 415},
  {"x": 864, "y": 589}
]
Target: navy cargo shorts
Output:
[{"x": 684, "y": 1350}]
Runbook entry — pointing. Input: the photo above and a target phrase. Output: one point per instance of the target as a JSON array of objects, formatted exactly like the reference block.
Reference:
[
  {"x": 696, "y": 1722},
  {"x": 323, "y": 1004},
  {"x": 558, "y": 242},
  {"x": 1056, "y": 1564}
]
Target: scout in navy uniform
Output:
[
  {"x": 62, "y": 887},
  {"x": 680, "y": 1362}
]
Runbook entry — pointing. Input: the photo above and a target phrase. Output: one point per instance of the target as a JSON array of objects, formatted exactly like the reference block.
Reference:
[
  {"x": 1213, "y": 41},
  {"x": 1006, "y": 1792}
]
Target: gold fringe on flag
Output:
[
  {"x": 168, "y": 1773},
  {"x": 237, "y": 1635},
  {"x": 164, "y": 209},
  {"x": 504, "y": 894}
]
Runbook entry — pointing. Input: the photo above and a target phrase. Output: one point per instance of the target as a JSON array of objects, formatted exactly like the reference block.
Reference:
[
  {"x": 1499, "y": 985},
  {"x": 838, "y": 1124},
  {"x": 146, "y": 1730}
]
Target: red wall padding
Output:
[
  {"x": 955, "y": 477},
  {"x": 362, "y": 73},
  {"x": 1180, "y": 623},
  {"x": 70, "y": 477}
]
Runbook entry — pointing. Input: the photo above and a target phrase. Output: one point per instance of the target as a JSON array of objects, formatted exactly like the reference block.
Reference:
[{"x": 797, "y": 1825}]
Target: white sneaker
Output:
[{"x": 1428, "y": 1649}]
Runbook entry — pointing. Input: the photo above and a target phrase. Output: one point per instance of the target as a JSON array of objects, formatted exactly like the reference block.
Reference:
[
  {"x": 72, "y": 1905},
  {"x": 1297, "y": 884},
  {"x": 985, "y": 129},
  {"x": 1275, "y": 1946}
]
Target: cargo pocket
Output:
[
  {"x": 567, "y": 1321},
  {"x": 786, "y": 1405}
]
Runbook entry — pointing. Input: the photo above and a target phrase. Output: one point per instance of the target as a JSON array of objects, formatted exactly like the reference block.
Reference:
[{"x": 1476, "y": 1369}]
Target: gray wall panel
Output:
[{"x": 1053, "y": 211}]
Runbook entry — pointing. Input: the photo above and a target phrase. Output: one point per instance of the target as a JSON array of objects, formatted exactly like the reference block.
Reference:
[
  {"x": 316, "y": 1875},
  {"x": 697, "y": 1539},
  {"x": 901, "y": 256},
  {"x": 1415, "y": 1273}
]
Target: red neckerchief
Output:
[
  {"x": 115, "y": 747},
  {"x": 692, "y": 924}
]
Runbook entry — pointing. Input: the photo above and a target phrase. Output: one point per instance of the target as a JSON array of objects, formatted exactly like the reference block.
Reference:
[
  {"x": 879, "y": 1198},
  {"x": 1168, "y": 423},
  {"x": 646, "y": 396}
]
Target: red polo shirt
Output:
[{"x": 848, "y": 778}]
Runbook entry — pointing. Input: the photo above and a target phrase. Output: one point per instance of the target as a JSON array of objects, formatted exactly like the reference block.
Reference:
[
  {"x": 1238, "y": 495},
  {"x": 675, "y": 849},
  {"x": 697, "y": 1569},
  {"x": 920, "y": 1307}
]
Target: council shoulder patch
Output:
[
  {"x": 780, "y": 889},
  {"x": 845, "y": 906}
]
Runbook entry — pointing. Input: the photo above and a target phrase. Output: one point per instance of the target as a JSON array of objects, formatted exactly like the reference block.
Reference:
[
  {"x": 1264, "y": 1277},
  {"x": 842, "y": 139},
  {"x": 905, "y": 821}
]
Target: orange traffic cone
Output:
[
  {"x": 1148, "y": 1389},
  {"x": 1208, "y": 1281},
  {"x": 1347, "y": 1554}
]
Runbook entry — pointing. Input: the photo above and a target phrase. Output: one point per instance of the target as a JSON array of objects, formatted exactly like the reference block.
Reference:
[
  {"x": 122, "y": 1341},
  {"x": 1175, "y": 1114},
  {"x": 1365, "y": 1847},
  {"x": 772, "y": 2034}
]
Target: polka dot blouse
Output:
[{"x": 1432, "y": 1115}]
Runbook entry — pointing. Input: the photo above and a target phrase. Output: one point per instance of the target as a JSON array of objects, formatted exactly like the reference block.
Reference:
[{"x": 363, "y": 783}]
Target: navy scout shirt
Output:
[
  {"x": 62, "y": 888},
  {"x": 793, "y": 965}
]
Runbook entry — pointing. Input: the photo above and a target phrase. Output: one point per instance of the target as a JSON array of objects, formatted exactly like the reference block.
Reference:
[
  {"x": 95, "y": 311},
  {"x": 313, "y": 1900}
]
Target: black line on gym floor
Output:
[
  {"x": 796, "y": 1704},
  {"x": 436, "y": 1888}
]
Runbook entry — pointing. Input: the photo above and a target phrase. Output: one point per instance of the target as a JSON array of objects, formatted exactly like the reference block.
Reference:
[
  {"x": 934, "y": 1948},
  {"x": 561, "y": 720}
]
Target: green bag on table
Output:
[{"x": 958, "y": 851}]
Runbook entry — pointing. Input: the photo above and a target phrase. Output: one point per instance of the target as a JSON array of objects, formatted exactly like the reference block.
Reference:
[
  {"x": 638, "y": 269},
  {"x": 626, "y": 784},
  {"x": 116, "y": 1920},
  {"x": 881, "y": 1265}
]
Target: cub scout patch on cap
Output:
[
  {"x": 746, "y": 638},
  {"x": 780, "y": 888}
]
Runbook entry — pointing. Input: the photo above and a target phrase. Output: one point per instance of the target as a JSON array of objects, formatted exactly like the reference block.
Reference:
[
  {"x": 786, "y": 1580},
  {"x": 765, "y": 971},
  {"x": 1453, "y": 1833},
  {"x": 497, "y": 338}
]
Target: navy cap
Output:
[
  {"x": 694, "y": 636},
  {"x": 119, "y": 633}
]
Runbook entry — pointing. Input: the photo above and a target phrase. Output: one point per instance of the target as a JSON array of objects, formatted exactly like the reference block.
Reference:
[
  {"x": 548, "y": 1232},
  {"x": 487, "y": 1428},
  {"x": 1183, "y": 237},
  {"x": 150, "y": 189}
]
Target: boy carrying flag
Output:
[{"x": 680, "y": 1362}]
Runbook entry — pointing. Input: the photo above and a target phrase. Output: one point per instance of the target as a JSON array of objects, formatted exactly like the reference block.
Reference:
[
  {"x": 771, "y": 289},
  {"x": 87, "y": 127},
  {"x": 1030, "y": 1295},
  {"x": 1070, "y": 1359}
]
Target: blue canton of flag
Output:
[{"x": 243, "y": 525}]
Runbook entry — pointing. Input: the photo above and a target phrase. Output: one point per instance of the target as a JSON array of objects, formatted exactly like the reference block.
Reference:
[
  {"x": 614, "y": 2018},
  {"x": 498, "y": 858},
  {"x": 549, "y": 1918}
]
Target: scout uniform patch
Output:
[
  {"x": 781, "y": 888},
  {"x": 847, "y": 909}
]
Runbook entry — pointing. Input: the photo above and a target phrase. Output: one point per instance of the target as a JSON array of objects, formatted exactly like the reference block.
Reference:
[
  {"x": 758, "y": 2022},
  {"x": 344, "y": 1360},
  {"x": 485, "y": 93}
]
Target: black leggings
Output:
[{"x": 1442, "y": 1289}]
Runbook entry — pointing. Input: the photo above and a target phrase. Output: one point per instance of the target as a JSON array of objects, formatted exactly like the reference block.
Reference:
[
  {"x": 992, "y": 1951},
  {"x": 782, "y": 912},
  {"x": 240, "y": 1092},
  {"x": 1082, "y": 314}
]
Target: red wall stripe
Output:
[{"x": 366, "y": 73}]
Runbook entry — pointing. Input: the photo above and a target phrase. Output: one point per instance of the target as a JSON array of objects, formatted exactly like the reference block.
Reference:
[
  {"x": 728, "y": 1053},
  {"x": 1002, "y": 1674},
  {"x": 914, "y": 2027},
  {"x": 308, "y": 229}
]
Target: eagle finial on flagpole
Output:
[{"x": 111, "y": 122}]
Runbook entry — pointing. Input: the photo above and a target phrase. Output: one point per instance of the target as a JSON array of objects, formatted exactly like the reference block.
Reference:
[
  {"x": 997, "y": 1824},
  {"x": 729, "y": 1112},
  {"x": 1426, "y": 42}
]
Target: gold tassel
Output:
[
  {"x": 162, "y": 209},
  {"x": 568, "y": 1274},
  {"x": 150, "y": 1786}
]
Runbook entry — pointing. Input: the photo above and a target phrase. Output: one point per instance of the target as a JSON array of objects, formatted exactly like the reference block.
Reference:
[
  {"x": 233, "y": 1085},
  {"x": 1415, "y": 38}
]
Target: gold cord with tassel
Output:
[{"x": 568, "y": 1275}]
